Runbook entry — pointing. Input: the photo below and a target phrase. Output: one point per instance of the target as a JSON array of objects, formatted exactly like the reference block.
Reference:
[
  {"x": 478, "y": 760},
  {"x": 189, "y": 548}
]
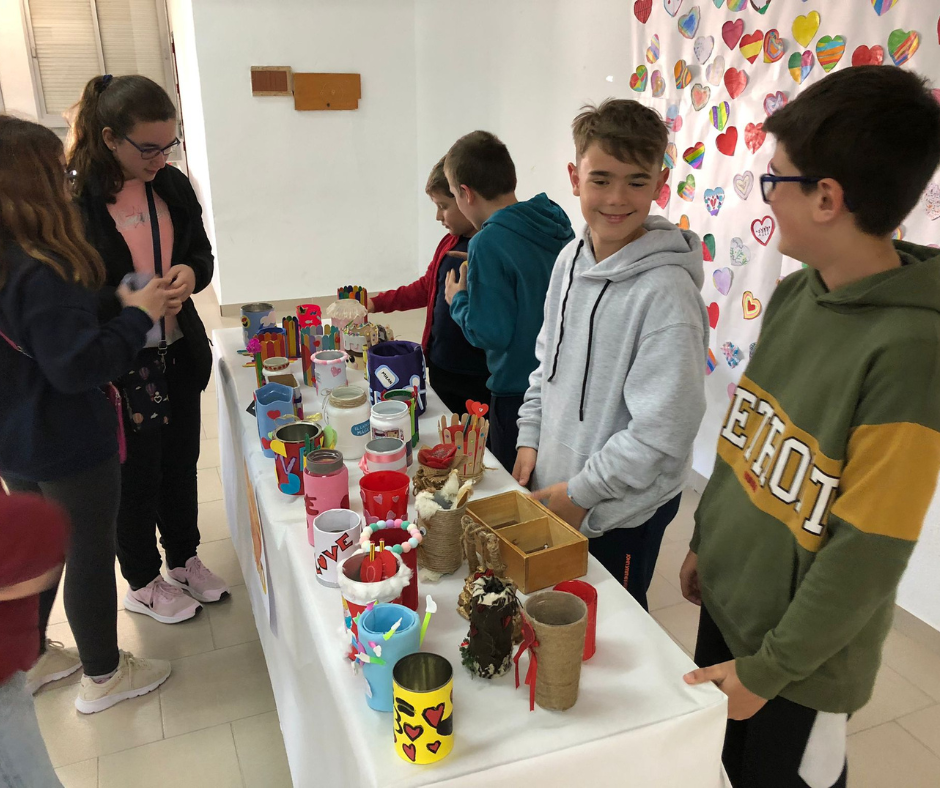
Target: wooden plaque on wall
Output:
[
  {"x": 327, "y": 91},
  {"x": 271, "y": 81}
]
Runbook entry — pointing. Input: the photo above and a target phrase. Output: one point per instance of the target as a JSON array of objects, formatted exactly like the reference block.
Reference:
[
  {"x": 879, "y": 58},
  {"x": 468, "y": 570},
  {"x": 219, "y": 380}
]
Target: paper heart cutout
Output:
[
  {"x": 708, "y": 247},
  {"x": 713, "y": 313},
  {"x": 727, "y": 142},
  {"x": 932, "y": 201},
  {"x": 751, "y": 306},
  {"x": 274, "y": 414},
  {"x": 774, "y": 101},
  {"x": 672, "y": 6},
  {"x": 714, "y": 199},
  {"x": 761, "y": 6},
  {"x": 658, "y": 84},
  {"x": 715, "y": 71},
  {"x": 800, "y": 65},
  {"x": 703, "y": 48},
  {"x": 737, "y": 5},
  {"x": 669, "y": 159},
  {"x": 732, "y": 354},
  {"x": 805, "y": 27},
  {"x": 732, "y": 388},
  {"x": 433, "y": 715},
  {"x": 883, "y": 6},
  {"x": 718, "y": 3},
  {"x": 477, "y": 408},
  {"x": 774, "y": 46},
  {"x": 673, "y": 118},
  {"x": 719, "y": 115},
  {"x": 751, "y": 45},
  {"x": 868, "y": 56},
  {"x": 639, "y": 79},
  {"x": 682, "y": 74},
  {"x": 642, "y": 10},
  {"x": 653, "y": 50},
  {"x": 413, "y": 732},
  {"x": 664, "y": 194},
  {"x": 722, "y": 279},
  {"x": 686, "y": 189},
  {"x": 695, "y": 155},
  {"x": 902, "y": 45},
  {"x": 740, "y": 254},
  {"x": 763, "y": 229},
  {"x": 731, "y": 32},
  {"x": 688, "y": 24},
  {"x": 710, "y": 362},
  {"x": 409, "y": 750},
  {"x": 735, "y": 81},
  {"x": 754, "y": 136},
  {"x": 700, "y": 95},
  {"x": 292, "y": 485},
  {"x": 434, "y": 746},
  {"x": 743, "y": 184},
  {"x": 829, "y": 51},
  {"x": 683, "y": 223}
]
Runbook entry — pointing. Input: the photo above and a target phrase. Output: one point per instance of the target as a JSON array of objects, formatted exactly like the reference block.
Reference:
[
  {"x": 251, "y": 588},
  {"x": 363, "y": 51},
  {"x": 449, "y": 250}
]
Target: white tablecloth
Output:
[{"x": 635, "y": 723}]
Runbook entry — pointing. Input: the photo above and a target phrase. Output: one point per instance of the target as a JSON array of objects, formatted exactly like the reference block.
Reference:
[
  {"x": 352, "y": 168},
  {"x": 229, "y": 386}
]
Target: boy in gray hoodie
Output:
[{"x": 608, "y": 421}]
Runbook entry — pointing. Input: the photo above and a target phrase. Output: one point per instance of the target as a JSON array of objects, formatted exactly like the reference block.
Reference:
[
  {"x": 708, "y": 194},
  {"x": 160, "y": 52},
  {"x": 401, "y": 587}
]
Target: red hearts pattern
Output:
[
  {"x": 413, "y": 731},
  {"x": 642, "y": 10},
  {"x": 735, "y": 81},
  {"x": 665, "y": 193},
  {"x": 433, "y": 715},
  {"x": 868, "y": 56},
  {"x": 754, "y": 136},
  {"x": 434, "y": 746},
  {"x": 731, "y": 32},
  {"x": 713, "y": 313},
  {"x": 477, "y": 408},
  {"x": 409, "y": 750},
  {"x": 727, "y": 142}
]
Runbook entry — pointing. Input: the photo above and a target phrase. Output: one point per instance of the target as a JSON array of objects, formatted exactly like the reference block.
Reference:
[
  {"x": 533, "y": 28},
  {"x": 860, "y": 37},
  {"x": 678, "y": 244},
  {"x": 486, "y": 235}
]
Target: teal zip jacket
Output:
[{"x": 510, "y": 265}]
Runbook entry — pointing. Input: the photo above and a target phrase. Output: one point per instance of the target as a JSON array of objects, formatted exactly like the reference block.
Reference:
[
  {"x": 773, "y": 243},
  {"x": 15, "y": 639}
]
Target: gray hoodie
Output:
[{"x": 617, "y": 398}]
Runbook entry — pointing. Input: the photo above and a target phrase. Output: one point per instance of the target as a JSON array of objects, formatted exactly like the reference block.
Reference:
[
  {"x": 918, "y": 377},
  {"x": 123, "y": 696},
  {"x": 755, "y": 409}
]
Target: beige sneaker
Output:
[
  {"x": 134, "y": 676},
  {"x": 57, "y": 663}
]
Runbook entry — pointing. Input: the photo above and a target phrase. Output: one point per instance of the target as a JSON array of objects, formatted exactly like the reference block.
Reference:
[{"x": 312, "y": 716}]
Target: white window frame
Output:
[{"x": 57, "y": 121}]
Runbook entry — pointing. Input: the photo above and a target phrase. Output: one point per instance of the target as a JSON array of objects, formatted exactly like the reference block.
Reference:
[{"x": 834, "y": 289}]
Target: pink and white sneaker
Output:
[
  {"x": 197, "y": 581},
  {"x": 159, "y": 600}
]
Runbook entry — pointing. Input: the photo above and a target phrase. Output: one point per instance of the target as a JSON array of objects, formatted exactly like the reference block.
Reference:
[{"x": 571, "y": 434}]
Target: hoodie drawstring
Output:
[
  {"x": 587, "y": 363},
  {"x": 564, "y": 307}
]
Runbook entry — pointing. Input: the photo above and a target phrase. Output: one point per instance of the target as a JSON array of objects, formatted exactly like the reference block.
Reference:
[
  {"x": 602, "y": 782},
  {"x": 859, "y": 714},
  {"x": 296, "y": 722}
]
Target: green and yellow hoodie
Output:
[{"x": 827, "y": 461}]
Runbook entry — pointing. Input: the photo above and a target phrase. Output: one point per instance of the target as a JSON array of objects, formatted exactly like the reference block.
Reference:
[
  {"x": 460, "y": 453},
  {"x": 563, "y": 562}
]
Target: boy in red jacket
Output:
[{"x": 457, "y": 369}]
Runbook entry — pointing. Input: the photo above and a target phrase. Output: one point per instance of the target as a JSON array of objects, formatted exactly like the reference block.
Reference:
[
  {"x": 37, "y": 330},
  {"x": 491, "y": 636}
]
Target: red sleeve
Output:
[
  {"x": 417, "y": 295},
  {"x": 33, "y": 534}
]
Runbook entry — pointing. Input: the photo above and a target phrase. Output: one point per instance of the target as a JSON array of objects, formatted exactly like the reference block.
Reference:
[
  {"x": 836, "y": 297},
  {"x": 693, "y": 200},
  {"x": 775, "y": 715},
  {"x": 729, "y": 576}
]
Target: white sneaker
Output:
[
  {"x": 197, "y": 581},
  {"x": 56, "y": 663},
  {"x": 133, "y": 677},
  {"x": 159, "y": 600}
]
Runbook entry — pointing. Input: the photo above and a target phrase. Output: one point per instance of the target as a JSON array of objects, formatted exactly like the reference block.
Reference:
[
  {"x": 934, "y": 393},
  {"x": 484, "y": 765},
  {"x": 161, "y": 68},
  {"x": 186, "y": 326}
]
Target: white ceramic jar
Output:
[{"x": 347, "y": 412}]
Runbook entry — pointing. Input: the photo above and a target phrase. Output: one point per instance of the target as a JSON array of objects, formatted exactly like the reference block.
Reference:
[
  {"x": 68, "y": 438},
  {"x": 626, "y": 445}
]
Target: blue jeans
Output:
[{"x": 24, "y": 761}]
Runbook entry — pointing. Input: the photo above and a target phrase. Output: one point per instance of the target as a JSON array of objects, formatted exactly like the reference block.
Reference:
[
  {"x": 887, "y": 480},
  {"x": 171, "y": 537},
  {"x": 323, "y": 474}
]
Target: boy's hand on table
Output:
[
  {"x": 688, "y": 579},
  {"x": 557, "y": 500},
  {"x": 525, "y": 464},
  {"x": 455, "y": 283},
  {"x": 742, "y": 703}
]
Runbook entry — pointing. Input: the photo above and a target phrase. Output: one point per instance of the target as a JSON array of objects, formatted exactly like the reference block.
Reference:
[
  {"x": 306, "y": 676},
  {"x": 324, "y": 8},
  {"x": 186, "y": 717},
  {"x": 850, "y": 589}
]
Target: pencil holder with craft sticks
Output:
[{"x": 468, "y": 434}]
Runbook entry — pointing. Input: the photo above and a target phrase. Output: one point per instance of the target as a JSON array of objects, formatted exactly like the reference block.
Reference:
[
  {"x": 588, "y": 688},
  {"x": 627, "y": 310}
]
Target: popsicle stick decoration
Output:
[
  {"x": 354, "y": 292},
  {"x": 468, "y": 433},
  {"x": 291, "y": 328}
]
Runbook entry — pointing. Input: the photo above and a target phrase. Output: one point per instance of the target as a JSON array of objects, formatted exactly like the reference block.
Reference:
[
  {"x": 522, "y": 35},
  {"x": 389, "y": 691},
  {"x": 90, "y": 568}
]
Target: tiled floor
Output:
[{"x": 214, "y": 724}]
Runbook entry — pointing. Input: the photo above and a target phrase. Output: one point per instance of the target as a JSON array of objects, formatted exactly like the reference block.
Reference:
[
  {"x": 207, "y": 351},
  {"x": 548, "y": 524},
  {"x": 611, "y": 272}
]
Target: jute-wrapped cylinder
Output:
[
  {"x": 442, "y": 549},
  {"x": 560, "y": 621}
]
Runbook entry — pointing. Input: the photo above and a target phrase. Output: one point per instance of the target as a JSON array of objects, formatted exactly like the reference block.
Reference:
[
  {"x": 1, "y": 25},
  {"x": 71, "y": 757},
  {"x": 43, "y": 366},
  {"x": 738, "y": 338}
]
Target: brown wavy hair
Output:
[
  {"x": 35, "y": 209},
  {"x": 118, "y": 103}
]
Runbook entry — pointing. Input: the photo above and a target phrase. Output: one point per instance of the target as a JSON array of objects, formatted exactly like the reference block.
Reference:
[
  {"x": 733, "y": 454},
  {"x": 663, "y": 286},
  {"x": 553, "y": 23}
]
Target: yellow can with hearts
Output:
[{"x": 423, "y": 697}]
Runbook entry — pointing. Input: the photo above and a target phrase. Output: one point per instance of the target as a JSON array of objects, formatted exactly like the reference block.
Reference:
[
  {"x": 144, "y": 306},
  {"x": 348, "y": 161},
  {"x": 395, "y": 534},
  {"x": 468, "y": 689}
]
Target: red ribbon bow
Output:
[{"x": 528, "y": 644}]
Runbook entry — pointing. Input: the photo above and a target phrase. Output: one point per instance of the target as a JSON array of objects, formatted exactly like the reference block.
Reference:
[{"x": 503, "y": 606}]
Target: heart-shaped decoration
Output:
[
  {"x": 703, "y": 48},
  {"x": 932, "y": 201},
  {"x": 700, "y": 95},
  {"x": 740, "y": 254},
  {"x": 658, "y": 84},
  {"x": 413, "y": 731},
  {"x": 710, "y": 362},
  {"x": 754, "y": 136},
  {"x": 434, "y": 715},
  {"x": 774, "y": 101},
  {"x": 672, "y": 6},
  {"x": 639, "y": 79},
  {"x": 274, "y": 414},
  {"x": 669, "y": 159},
  {"x": 653, "y": 50},
  {"x": 686, "y": 191},
  {"x": 715, "y": 71},
  {"x": 477, "y": 408},
  {"x": 727, "y": 142},
  {"x": 664, "y": 194},
  {"x": 434, "y": 746},
  {"x": 718, "y": 3},
  {"x": 732, "y": 388},
  {"x": 337, "y": 371},
  {"x": 713, "y": 314},
  {"x": 743, "y": 184},
  {"x": 751, "y": 45},
  {"x": 735, "y": 81},
  {"x": 722, "y": 279},
  {"x": 763, "y": 229},
  {"x": 753, "y": 347},
  {"x": 682, "y": 74},
  {"x": 642, "y": 10},
  {"x": 688, "y": 24},
  {"x": 737, "y": 5},
  {"x": 695, "y": 155},
  {"x": 868, "y": 56},
  {"x": 409, "y": 750},
  {"x": 751, "y": 306},
  {"x": 673, "y": 118},
  {"x": 714, "y": 199},
  {"x": 719, "y": 115},
  {"x": 731, "y": 32},
  {"x": 683, "y": 223},
  {"x": 883, "y": 6},
  {"x": 774, "y": 46},
  {"x": 829, "y": 51},
  {"x": 708, "y": 247},
  {"x": 902, "y": 45},
  {"x": 800, "y": 65},
  {"x": 761, "y": 6},
  {"x": 732, "y": 354},
  {"x": 805, "y": 27}
]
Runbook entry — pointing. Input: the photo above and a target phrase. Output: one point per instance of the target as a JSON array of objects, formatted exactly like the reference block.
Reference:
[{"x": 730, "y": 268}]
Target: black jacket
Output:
[{"x": 190, "y": 247}]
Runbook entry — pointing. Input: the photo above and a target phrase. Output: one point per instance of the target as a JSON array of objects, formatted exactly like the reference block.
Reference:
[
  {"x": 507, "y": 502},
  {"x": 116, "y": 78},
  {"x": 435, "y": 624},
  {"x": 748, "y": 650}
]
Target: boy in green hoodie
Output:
[
  {"x": 498, "y": 298},
  {"x": 829, "y": 455}
]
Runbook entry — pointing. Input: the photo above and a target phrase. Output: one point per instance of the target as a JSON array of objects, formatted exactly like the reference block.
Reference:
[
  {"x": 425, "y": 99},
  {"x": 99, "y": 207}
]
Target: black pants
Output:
[
  {"x": 158, "y": 481},
  {"x": 504, "y": 428},
  {"x": 455, "y": 389},
  {"x": 766, "y": 750},
  {"x": 630, "y": 554},
  {"x": 91, "y": 500}
]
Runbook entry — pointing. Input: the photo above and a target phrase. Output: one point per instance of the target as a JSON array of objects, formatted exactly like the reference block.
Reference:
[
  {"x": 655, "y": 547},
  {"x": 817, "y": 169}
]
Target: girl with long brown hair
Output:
[
  {"x": 143, "y": 217},
  {"x": 59, "y": 433}
]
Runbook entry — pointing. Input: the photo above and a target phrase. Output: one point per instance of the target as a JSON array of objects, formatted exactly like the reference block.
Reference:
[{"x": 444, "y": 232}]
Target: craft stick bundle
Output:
[{"x": 468, "y": 434}]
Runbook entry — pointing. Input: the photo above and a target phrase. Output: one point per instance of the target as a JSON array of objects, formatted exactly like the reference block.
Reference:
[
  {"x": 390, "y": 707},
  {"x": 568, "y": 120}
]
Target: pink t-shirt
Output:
[{"x": 132, "y": 217}]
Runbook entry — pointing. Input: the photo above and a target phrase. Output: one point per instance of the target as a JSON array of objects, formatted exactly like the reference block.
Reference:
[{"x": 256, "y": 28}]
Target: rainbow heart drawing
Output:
[
  {"x": 883, "y": 6},
  {"x": 682, "y": 74},
  {"x": 710, "y": 363},
  {"x": 686, "y": 189},
  {"x": 672, "y": 6},
  {"x": 639, "y": 79},
  {"x": 720, "y": 114},
  {"x": 737, "y": 5},
  {"x": 740, "y": 254},
  {"x": 805, "y": 27},
  {"x": 829, "y": 51},
  {"x": 700, "y": 96},
  {"x": 673, "y": 118},
  {"x": 688, "y": 24},
  {"x": 751, "y": 45},
  {"x": 743, "y": 184},
  {"x": 902, "y": 45},
  {"x": 658, "y": 84},
  {"x": 669, "y": 159},
  {"x": 703, "y": 47},
  {"x": 714, "y": 199},
  {"x": 695, "y": 155},
  {"x": 751, "y": 306},
  {"x": 716, "y": 71},
  {"x": 774, "y": 101},
  {"x": 774, "y": 46},
  {"x": 722, "y": 279},
  {"x": 800, "y": 65},
  {"x": 652, "y": 51}
]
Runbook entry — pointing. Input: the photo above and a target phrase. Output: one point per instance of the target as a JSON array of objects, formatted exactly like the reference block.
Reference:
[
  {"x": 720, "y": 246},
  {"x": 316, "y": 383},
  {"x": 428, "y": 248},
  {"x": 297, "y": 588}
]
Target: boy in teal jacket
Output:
[{"x": 498, "y": 299}]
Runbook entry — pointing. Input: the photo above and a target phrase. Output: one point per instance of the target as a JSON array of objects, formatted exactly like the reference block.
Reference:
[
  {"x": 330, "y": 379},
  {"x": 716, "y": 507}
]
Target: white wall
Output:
[{"x": 16, "y": 80}]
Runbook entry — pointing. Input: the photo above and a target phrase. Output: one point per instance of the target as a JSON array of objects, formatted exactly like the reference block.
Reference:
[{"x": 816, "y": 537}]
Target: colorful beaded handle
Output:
[{"x": 384, "y": 525}]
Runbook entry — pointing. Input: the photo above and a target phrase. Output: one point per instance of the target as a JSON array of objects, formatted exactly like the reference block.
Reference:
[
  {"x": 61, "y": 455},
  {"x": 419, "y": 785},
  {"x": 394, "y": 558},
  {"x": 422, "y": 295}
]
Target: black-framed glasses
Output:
[
  {"x": 149, "y": 152},
  {"x": 769, "y": 182}
]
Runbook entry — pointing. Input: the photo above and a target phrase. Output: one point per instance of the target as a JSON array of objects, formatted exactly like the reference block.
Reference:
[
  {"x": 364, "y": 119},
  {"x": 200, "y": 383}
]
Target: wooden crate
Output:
[{"x": 539, "y": 548}]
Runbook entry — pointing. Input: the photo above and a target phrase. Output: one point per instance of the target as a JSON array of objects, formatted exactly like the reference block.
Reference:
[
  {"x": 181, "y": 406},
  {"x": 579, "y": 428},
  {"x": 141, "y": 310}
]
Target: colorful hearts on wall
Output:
[
  {"x": 743, "y": 183},
  {"x": 932, "y": 201},
  {"x": 739, "y": 253},
  {"x": 754, "y": 136},
  {"x": 902, "y": 45},
  {"x": 719, "y": 115},
  {"x": 731, "y": 32},
  {"x": 700, "y": 95},
  {"x": 653, "y": 50},
  {"x": 735, "y": 82},
  {"x": 695, "y": 155},
  {"x": 715, "y": 71},
  {"x": 682, "y": 74},
  {"x": 774, "y": 46},
  {"x": 714, "y": 199},
  {"x": 683, "y": 223},
  {"x": 760, "y": 6},
  {"x": 732, "y": 353},
  {"x": 669, "y": 159},
  {"x": 688, "y": 24},
  {"x": 868, "y": 56},
  {"x": 673, "y": 118},
  {"x": 642, "y": 10},
  {"x": 710, "y": 362},
  {"x": 751, "y": 45},
  {"x": 800, "y": 66},
  {"x": 774, "y": 101},
  {"x": 829, "y": 51},
  {"x": 722, "y": 279},
  {"x": 805, "y": 27},
  {"x": 672, "y": 6},
  {"x": 686, "y": 191},
  {"x": 750, "y": 305},
  {"x": 703, "y": 48},
  {"x": 664, "y": 194},
  {"x": 708, "y": 247},
  {"x": 883, "y": 6},
  {"x": 714, "y": 312},
  {"x": 727, "y": 142},
  {"x": 658, "y": 83},
  {"x": 763, "y": 229},
  {"x": 639, "y": 79},
  {"x": 737, "y": 5}
]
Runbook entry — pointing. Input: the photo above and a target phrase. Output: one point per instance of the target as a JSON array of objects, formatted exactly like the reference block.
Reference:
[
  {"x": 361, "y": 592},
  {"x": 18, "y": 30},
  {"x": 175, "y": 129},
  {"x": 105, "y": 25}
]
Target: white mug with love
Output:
[
  {"x": 329, "y": 367},
  {"x": 335, "y": 537}
]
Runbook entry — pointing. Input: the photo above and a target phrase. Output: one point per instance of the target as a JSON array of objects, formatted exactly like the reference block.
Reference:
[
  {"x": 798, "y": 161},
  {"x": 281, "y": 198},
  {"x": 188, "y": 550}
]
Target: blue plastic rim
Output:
[{"x": 382, "y": 618}]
